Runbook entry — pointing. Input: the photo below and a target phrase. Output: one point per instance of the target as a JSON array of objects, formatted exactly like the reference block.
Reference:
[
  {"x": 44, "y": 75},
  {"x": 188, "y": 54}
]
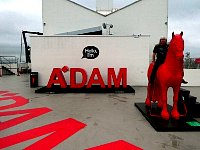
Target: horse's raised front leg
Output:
[
  {"x": 164, "y": 112},
  {"x": 174, "y": 113}
]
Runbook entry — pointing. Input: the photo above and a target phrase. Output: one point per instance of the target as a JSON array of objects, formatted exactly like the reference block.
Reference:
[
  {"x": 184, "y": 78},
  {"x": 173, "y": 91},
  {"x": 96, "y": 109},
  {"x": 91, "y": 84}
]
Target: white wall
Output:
[
  {"x": 64, "y": 16},
  {"x": 142, "y": 17},
  {"x": 147, "y": 17},
  {"x": 104, "y": 5},
  {"x": 128, "y": 52},
  {"x": 192, "y": 76}
]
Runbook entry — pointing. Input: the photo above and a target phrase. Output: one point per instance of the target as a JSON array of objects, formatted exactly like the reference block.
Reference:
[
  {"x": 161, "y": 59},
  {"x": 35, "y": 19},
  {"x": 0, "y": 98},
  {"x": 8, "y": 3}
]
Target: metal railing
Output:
[
  {"x": 191, "y": 63},
  {"x": 7, "y": 61}
]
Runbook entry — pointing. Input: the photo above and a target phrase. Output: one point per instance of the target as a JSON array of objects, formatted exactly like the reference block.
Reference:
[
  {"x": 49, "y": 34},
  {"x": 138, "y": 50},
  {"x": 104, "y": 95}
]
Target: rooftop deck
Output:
[{"x": 108, "y": 118}]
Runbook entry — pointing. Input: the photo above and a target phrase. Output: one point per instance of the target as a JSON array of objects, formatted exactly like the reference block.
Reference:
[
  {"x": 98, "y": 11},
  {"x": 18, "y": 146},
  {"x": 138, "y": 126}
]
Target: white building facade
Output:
[
  {"x": 131, "y": 31},
  {"x": 114, "y": 52},
  {"x": 145, "y": 17}
]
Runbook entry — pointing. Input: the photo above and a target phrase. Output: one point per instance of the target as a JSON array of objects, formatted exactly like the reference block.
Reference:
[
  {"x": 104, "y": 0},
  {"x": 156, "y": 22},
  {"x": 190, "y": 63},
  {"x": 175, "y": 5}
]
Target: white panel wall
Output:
[
  {"x": 64, "y": 16},
  {"x": 147, "y": 17},
  {"x": 116, "y": 52},
  {"x": 104, "y": 5},
  {"x": 192, "y": 76}
]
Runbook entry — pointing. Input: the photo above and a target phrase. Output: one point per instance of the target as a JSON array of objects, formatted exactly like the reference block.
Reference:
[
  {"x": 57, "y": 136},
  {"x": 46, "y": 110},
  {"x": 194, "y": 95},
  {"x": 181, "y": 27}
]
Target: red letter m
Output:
[{"x": 122, "y": 76}]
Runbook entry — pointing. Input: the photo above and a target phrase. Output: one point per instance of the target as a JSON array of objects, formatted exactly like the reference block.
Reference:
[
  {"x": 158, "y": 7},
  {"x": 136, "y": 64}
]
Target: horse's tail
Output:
[
  {"x": 150, "y": 87},
  {"x": 153, "y": 89},
  {"x": 150, "y": 70}
]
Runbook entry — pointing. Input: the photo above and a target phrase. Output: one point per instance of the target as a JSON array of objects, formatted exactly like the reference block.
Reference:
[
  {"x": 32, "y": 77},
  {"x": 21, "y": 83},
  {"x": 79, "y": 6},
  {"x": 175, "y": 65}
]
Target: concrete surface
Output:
[{"x": 109, "y": 117}]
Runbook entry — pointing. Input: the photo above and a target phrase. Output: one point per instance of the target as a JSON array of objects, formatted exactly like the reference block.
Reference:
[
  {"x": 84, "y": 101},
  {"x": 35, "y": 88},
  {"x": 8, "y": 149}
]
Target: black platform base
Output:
[
  {"x": 94, "y": 89},
  {"x": 183, "y": 124}
]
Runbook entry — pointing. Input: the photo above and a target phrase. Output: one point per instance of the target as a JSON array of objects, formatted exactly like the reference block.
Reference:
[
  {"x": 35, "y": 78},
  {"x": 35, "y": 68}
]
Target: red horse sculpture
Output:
[{"x": 169, "y": 74}]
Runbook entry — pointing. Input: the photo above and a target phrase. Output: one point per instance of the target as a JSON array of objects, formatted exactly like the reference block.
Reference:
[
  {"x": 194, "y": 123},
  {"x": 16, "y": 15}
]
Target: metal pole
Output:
[{"x": 20, "y": 59}]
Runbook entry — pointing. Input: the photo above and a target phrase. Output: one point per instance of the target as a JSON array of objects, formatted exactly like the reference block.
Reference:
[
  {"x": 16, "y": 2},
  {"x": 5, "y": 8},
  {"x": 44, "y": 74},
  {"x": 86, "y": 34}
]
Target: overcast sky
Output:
[{"x": 18, "y": 15}]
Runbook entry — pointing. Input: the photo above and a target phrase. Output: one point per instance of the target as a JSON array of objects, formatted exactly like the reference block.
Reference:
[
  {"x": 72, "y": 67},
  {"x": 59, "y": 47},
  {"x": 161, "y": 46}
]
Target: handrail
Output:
[
  {"x": 8, "y": 60},
  {"x": 191, "y": 63},
  {"x": 4, "y": 61}
]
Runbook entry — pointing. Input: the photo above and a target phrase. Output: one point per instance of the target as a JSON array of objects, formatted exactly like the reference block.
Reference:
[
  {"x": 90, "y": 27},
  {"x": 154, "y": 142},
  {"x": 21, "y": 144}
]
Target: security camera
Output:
[{"x": 104, "y": 25}]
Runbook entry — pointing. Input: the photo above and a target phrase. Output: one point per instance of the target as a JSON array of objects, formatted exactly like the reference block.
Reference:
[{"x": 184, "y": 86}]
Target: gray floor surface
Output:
[{"x": 109, "y": 117}]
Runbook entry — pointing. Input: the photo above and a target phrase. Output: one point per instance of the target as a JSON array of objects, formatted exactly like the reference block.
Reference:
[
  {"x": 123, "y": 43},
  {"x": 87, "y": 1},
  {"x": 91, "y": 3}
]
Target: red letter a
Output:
[
  {"x": 99, "y": 79},
  {"x": 57, "y": 77}
]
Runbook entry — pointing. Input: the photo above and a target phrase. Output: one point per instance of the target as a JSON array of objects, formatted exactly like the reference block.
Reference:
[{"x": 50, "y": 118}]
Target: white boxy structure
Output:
[
  {"x": 145, "y": 17},
  {"x": 192, "y": 76},
  {"x": 114, "y": 52},
  {"x": 125, "y": 38}
]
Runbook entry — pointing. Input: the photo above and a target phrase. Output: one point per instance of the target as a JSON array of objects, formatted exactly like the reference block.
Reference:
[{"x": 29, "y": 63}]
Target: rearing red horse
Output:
[{"x": 169, "y": 74}]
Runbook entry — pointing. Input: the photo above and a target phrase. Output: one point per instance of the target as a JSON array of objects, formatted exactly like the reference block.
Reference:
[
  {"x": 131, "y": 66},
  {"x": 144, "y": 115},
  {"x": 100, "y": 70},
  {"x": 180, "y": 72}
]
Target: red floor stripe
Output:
[
  {"x": 60, "y": 131},
  {"x": 117, "y": 145}
]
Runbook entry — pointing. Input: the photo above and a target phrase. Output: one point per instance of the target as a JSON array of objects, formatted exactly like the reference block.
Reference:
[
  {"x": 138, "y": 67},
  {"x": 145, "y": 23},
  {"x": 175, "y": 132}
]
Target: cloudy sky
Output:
[{"x": 18, "y": 15}]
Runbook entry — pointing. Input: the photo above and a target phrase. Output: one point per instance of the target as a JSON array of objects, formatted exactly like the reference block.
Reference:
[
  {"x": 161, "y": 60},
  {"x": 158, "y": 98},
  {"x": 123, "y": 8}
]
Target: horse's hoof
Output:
[
  {"x": 175, "y": 115},
  {"x": 165, "y": 115},
  {"x": 148, "y": 102}
]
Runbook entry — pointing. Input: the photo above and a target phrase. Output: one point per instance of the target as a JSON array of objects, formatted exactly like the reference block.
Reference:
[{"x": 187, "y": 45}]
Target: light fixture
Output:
[{"x": 107, "y": 26}]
